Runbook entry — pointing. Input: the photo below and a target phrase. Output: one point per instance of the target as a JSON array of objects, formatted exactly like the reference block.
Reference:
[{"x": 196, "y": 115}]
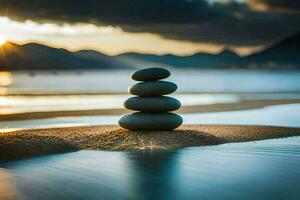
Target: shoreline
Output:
[
  {"x": 126, "y": 93},
  {"x": 220, "y": 107},
  {"x": 29, "y": 143}
]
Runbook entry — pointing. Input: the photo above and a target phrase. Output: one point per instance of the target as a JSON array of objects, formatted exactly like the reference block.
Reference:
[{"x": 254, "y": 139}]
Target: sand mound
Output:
[{"x": 27, "y": 143}]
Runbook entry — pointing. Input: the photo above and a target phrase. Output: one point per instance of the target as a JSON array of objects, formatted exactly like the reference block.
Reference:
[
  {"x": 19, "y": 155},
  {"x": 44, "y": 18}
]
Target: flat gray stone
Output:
[
  {"x": 150, "y": 74},
  {"x": 152, "y": 104},
  {"x": 153, "y": 88},
  {"x": 150, "y": 121}
]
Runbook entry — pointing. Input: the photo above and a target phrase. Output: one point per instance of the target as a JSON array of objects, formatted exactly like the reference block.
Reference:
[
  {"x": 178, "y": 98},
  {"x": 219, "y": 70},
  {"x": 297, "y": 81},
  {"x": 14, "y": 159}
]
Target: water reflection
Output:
[
  {"x": 253, "y": 170},
  {"x": 153, "y": 173},
  {"x": 5, "y": 79},
  {"x": 25, "y": 104},
  {"x": 7, "y": 187},
  {"x": 62, "y": 82}
]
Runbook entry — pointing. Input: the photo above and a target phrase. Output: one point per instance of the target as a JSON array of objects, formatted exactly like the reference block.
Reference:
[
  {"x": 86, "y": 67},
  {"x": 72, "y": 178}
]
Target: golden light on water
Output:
[
  {"x": 7, "y": 187},
  {"x": 5, "y": 79}
]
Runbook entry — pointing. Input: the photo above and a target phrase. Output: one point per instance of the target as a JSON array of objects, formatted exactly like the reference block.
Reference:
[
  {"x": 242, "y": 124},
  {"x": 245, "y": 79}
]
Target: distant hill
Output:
[
  {"x": 40, "y": 57},
  {"x": 284, "y": 54},
  {"x": 225, "y": 59}
]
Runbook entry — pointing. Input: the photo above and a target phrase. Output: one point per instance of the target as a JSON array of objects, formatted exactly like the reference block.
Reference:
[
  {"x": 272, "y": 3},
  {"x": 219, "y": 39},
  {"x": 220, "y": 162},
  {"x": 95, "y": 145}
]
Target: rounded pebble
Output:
[
  {"x": 153, "y": 88},
  {"x": 150, "y": 74},
  {"x": 150, "y": 121},
  {"x": 152, "y": 104}
]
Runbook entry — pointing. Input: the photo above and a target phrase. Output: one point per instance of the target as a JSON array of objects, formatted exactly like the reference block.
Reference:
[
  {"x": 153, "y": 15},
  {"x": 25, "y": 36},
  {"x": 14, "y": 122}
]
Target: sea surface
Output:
[
  {"x": 38, "y": 91},
  {"x": 43, "y": 91},
  {"x": 280, "y": 115},
  {"x": 260, "y": 170},
  {"x": 266, "y": 169},
  {"x": 188, "y": 81}
]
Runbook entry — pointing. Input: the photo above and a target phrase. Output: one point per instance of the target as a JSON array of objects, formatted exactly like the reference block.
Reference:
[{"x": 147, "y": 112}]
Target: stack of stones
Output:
[{"x": 154, "y": 108}]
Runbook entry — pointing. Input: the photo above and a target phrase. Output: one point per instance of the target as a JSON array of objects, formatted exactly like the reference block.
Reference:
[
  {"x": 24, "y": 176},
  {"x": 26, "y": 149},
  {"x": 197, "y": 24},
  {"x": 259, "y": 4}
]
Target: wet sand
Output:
[
  {"x": 28, "y": 143},
  {"x": 242, "y": 105}
]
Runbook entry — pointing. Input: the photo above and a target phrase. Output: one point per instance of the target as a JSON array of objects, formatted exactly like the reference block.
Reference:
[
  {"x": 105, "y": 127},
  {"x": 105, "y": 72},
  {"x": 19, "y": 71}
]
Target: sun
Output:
[{"x": 2, "y": 40}]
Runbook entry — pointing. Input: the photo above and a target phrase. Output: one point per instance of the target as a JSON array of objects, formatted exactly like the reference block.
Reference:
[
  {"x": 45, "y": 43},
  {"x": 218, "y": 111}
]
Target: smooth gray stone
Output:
[
  {"x": 152, "y": 104},
  {"x": 150, "y": 121},
  {"x": 153, "y": 88},
  {"x": 150, "y": 74}
]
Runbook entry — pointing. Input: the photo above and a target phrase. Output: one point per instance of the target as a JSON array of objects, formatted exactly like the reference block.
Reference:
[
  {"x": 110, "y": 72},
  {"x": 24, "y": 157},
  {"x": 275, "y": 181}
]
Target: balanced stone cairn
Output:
[{"x": 153, "y": 106}]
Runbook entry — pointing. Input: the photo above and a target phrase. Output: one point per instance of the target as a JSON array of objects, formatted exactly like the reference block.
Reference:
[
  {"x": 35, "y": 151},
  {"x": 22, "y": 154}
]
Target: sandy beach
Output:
[{"x": 28, "y": 143}]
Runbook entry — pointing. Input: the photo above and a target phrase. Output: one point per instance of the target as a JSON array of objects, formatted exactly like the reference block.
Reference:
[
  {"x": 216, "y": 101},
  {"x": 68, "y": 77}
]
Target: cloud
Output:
[
  {"x": 227, "y": 23},
  {"x": 277, "y": 5}
]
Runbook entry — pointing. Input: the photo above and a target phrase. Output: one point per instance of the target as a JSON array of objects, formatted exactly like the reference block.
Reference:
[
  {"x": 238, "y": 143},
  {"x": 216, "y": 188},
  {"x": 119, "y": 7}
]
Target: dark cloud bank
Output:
[
  {"x": 230, "y": 23},
  {"x": 280, "y": 5}
]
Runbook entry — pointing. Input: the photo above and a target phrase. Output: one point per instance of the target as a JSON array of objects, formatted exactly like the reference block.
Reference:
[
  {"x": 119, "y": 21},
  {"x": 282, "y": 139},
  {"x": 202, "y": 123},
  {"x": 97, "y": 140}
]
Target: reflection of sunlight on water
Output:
[
  {"x": 206, "y": 99},
  {"x": 5, "y": 79},
  {"x": 3, "y": 90},
  {"x": 7, "y": 188},
  {"x": 188, "y": 81},
  {"x": 281, "y": 115},
  {"x": 62, "y": 125},
  {"x": 7, "y": 130},
  {"x": 3, "y": 102},
  {"x": 22, "y": 104}
]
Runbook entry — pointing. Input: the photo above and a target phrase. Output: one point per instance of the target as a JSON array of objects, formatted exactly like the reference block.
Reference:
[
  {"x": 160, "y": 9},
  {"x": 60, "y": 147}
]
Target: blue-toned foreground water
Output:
[{"x": 266, "y": 169}]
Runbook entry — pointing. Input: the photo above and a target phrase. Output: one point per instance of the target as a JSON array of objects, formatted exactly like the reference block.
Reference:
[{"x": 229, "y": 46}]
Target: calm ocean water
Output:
[
  {"x": 254, "y": 170},
  {"x": 199, "y": 88},
  {"x": 188, "y": 81},
  {"x": 261, "y": 170},
  {"x": 279, "y": 115},
  {"x": 211, "y": 87}
]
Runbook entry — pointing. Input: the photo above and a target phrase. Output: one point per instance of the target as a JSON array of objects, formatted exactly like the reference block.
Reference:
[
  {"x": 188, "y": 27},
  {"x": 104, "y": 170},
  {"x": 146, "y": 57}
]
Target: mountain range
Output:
[
  {"x": 284, "y": 54},
  {"x": 34, "y": 56}
]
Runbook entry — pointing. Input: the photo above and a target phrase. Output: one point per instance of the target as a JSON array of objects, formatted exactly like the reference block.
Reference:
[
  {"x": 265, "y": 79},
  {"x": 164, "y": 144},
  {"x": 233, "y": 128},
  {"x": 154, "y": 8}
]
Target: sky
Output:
[{"x": 178, "y": 27}]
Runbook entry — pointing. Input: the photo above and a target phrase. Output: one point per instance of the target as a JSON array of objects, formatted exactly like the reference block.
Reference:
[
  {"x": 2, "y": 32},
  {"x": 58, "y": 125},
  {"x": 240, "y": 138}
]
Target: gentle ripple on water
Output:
[{"x": 266, "y": 169}]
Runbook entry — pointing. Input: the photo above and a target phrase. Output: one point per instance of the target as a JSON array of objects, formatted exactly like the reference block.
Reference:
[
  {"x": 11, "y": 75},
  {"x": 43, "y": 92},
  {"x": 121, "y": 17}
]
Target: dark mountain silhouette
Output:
[
  {"x": 225, "y": 59},
  {"x": 284, "y": 54},
  {"x": 36, "y": 56}
]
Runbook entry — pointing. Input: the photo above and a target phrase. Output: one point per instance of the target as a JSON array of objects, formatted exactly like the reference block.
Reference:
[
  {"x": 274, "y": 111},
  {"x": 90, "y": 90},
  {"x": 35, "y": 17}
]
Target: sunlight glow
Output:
[
  {"x": 110, "y": 40},
  {"x": 2, "y": 40},
  {"x": 5, "y": 79}
]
